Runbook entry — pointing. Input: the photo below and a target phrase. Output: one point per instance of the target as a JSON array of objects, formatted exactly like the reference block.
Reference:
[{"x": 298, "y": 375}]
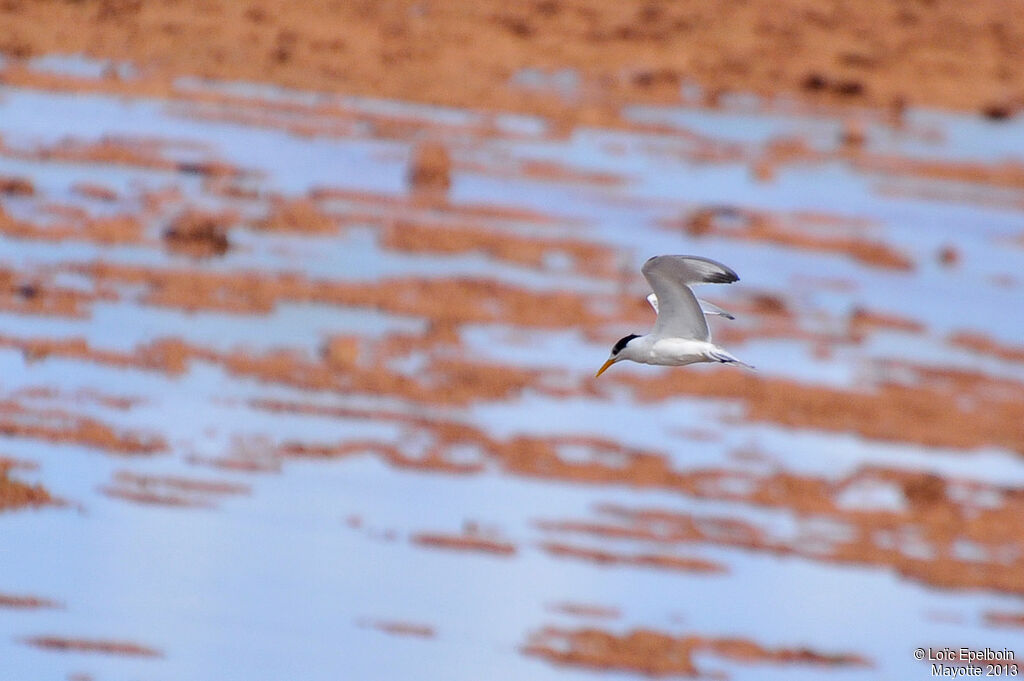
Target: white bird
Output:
[{"x": 681, "y": 335}]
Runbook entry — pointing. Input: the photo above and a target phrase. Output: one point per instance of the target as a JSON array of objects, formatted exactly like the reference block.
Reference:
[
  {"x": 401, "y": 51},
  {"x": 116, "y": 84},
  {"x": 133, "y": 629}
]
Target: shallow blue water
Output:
[{"x": 275, "y": 584}]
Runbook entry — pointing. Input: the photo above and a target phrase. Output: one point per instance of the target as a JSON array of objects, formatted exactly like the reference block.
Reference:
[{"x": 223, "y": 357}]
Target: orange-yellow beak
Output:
[{"x": 604, "y": 367}]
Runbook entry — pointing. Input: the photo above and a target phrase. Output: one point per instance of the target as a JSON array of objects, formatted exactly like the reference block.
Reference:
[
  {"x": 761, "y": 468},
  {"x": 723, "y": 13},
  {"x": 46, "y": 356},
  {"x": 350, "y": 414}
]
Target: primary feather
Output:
[
  {"x": 679, "y": 313},
  {"x": 706, "y": 307}
]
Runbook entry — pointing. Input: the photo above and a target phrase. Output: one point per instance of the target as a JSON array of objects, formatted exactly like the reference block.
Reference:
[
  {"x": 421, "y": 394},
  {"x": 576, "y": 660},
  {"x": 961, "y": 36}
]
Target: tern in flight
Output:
[{"x": 681, "y": 335}]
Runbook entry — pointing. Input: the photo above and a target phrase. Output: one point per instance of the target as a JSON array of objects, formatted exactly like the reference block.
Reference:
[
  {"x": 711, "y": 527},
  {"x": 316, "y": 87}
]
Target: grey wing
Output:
[
  {"x": 712, "y": 309},
  {"x": 679, "y": 313},
  {"x": 706, "y": 307}
]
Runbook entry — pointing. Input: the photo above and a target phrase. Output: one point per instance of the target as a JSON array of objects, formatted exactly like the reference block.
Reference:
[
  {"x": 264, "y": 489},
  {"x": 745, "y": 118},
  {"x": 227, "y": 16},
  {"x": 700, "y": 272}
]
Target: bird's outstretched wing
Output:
[
  {"x": 679, "y": 313},
  {"x": 706, "y": 307}
]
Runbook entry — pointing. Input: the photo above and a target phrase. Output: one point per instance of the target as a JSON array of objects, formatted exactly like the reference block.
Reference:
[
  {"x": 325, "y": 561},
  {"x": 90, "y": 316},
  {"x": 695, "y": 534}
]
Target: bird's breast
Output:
[{"x": 678, "y": 351}]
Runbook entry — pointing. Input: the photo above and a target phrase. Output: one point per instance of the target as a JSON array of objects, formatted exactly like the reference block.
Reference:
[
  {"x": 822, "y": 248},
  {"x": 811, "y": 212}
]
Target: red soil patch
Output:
[
  {"x": 97, "y": 192},
  {"x": 434, "y": 460},
  {"x": 656, "y": 654},
  {"x": 16, "y": 186},
  {"x": 54, "y": 425},
  {"x": 464, "y": 542},
  {"x": 548, "y": 172},
  {"x": 74, "y": 224},
  {"x": 199, "y": 234},
  {"x": 145, "y": 153},
  {"x": 81, "y": 645},
  {"x": 1005, "y": 619},
  {"x": 946, "y": 55},
  {"x": 430, "y": 169},
  {"x": 34, "y": 293},
  {"x": 604, "y": 557},
  {"x": 863, "y": 321},
  {"x": 609, "y": 462},
  {"x": 168, "y": 356},
  {"x": 551, "y": 171},
  {"x": 168, "y": 490},
  {"x": 948, "y": 256},
  {"x": 15, "y": 494},
  {"x": 762, "y": 227},
  {"x": 533, "y": 456},
  {"x": 248, "y": 455},
  {"x": 874, "y": 536},
  {"x": 931, "y": 413},
  {"x": 26, "y": 602},
  {"x": 878, "y": 412},
  {"x": 302, "y": 216},
  {"x": 375, "y": 207},
  {"x": 984, "y": 345},
  {"x": 397, "y": 628},
  {"x": 585, "y": 610},
  {"x": 1007, "y": 174},
  {"x": 585, "y": 257},
  {"x": 931, "y": 513},
  {"x": 921, "y": 540},
  {"x": 446, "y": 300}
]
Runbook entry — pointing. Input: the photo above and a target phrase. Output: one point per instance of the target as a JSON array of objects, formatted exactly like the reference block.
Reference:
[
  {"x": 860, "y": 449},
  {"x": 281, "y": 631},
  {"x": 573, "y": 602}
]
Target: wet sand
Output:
[{"x": 887, "y": 55}]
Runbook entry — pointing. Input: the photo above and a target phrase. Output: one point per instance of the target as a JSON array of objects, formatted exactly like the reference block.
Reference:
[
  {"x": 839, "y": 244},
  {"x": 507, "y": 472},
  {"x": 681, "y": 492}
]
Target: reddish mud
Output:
[
  {"x": 883, "y": 54},
  {"x": 1006, "y": 174},
  {"x": 603, "y": 557},
  {"x": 16, "y": 186},
  {"x": 81, "y": 645},
  {"x": 15, "y": 494},
  {"x": 445, "y": 300},
  {"x": 54, "y": 425},
  {"x": 922, "y": 540},
  {"x": 936, "y": 512},
  {"x": 464, "y": 542},
  {"x": 140, "y": 153},
  {"x": 166, "y": 356},
  {"x": 657, "y": 654},
  {"x": 585, "y": 610},
  {"x": 943, "y": 422},
  {"x": 983, "y": 345},
  {"x": 753, "y": 226},
  {"x": 35, "y": 293},
  {"x": 26, "y": 602},
  {"x": 863, "y": 321},
  {"x": 397, "y": 628},
  {"x": 95, "y": 191},
  {"x": 170, "y": 490},
  {"x": 303, "y": 216},
  {"x": 585, "y": 257},
  {"x": 609, "y": 461},
  {"x": 73, "y": 224},
  {"x": 1005, "y": 619},
  {"x": 990, "y": 416},
  {"x": 198, "y": 234},
  {"x": 430, "y": 170}
]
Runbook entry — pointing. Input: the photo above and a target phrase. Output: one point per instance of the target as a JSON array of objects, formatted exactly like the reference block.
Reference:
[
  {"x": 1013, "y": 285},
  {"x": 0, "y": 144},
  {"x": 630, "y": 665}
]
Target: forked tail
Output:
[{"x": 720, "y": 355}]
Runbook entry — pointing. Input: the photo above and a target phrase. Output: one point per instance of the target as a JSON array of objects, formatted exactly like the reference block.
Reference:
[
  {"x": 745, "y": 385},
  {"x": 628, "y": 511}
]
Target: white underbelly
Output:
[{"x": 678, "y": 351}]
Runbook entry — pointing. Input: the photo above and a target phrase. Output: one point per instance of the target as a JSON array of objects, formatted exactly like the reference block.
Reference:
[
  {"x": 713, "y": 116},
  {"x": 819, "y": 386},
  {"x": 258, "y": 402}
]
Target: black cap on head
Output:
[{"x": 617, "y": 348}]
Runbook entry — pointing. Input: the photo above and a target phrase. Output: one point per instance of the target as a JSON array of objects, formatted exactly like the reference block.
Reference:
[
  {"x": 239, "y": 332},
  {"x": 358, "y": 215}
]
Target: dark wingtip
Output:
[
  {"x": 722, "y": 277},
  {"x": 709, "y": 271}
]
